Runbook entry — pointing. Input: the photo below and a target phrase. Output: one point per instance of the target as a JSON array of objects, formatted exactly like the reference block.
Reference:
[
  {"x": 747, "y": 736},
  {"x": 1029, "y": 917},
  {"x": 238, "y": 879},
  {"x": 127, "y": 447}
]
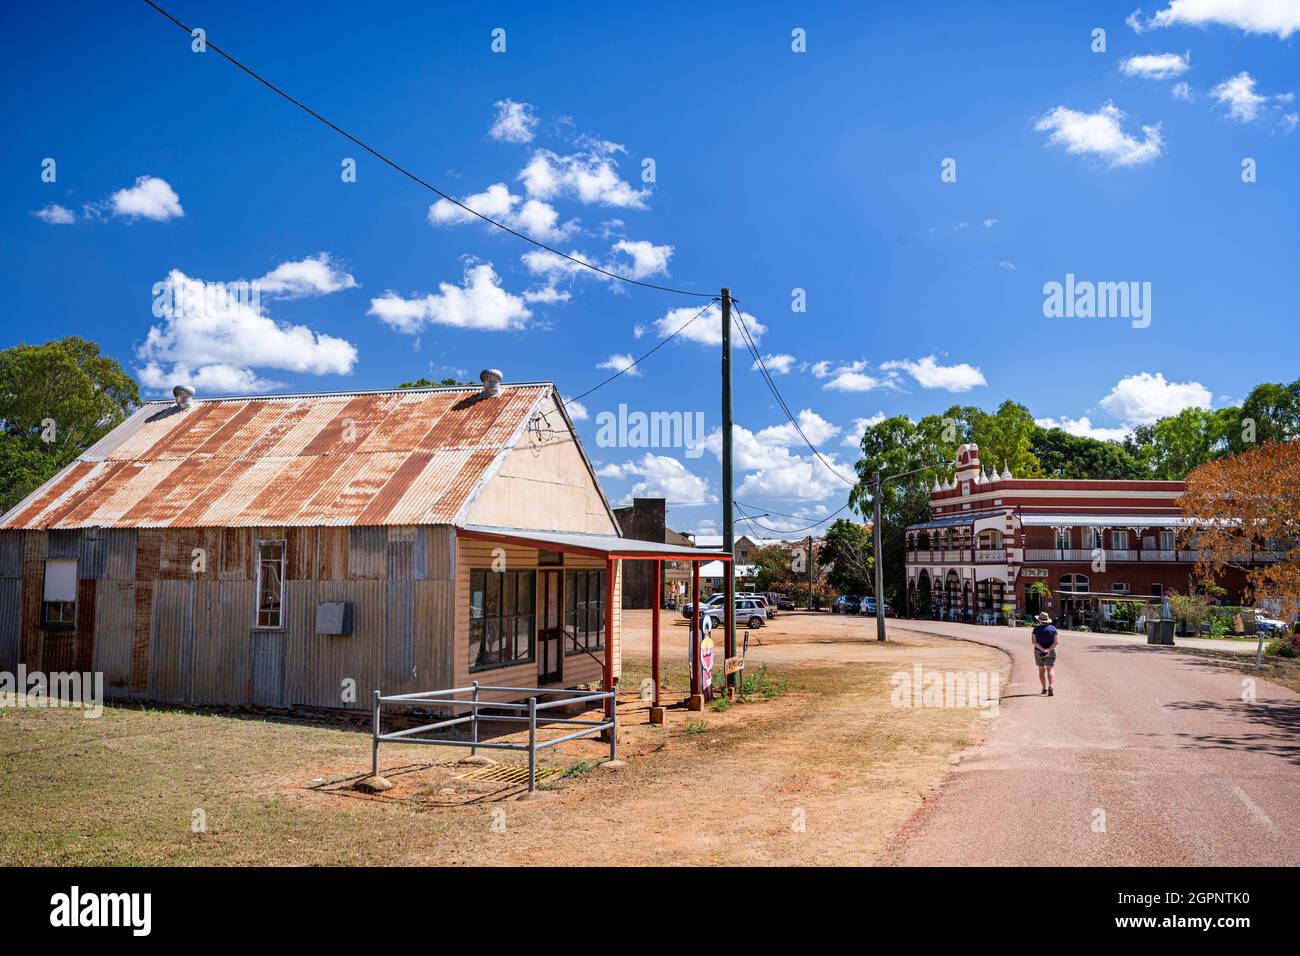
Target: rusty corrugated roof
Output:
[{"x": 408, "y": 456}]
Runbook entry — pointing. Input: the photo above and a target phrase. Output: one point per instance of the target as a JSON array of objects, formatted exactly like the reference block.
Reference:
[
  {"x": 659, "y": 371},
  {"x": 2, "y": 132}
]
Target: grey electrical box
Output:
[{"x": 334, "y": 617}]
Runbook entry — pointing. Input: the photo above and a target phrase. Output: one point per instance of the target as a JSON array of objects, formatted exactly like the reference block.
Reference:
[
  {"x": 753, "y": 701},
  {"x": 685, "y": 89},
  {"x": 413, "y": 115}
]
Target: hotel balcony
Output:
[{"x": 1037, "y": 555}]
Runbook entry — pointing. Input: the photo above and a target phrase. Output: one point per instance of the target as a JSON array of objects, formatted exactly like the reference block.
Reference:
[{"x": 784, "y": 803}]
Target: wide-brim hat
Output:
[{"x": 1043, "y": 618}]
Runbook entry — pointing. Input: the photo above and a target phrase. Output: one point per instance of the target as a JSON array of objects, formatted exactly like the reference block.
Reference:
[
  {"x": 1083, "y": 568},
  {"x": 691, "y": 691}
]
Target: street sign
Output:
[{"x": 733, "y": 664}]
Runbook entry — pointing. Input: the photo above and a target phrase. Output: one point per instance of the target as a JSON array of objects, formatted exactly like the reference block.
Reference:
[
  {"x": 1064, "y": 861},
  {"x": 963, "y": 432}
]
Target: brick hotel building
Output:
[{"x": 991, "y": 536}]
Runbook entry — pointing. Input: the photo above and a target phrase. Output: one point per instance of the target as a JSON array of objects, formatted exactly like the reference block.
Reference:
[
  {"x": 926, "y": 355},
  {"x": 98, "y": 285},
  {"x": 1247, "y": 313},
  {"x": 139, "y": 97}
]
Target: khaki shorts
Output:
[{"x": 1045, "y": 658}]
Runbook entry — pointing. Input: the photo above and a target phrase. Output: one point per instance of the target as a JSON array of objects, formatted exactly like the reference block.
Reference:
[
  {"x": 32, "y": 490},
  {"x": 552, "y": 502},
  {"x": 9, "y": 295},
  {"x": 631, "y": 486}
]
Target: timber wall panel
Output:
[
  {"x": 172, "y": 642},
  {"x": 119, "y": 559},
  {"x": 114, "y": 635},
  {"x": 11, "y": 620},
  {"x": 33, "y": 596}
]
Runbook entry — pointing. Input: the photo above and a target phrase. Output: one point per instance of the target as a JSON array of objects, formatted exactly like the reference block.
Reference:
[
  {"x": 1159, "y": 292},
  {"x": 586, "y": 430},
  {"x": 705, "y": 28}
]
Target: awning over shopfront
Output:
[{"x": 600, "y": 545}]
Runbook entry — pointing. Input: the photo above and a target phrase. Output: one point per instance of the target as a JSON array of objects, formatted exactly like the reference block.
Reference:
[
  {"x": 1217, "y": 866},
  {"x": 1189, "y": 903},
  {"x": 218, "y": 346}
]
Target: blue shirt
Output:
[{"x": 1044, "y": 635}]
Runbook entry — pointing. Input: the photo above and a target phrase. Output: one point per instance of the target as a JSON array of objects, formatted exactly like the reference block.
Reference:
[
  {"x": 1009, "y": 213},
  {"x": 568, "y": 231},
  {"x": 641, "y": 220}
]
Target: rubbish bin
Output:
[{"x": 1160, "y": 632}]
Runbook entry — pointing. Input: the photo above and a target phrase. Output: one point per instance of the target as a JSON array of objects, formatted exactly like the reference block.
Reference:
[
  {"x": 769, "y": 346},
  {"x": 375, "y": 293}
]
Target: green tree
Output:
[
  {"x": 894, "y": 446},
  {"x": 773, "y": 567},
  {"x": 430, "y": 383},
  {"x": 1062, "y": 455},
  {"x": 1273, "y": 413},
  {"x": 848, "y": 553},
  {"x": 1007, "y": 437},
  {"x": 56, "y": 400}
]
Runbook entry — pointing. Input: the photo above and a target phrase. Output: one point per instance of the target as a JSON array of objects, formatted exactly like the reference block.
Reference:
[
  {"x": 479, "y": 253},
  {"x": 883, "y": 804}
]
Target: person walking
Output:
[{"x": 1044, "y": 640}]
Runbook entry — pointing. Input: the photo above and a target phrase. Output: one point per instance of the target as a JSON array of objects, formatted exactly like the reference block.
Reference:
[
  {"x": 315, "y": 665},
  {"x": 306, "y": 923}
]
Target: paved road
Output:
[{"x": 1144, "y": 756}]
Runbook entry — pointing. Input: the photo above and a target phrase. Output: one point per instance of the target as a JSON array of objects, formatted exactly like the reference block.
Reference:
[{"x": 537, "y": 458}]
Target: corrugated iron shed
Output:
[{"x": 401, "y": 457}]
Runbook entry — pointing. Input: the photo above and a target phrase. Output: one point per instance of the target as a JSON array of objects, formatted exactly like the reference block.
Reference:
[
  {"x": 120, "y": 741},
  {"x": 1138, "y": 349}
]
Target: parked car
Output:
[
  {"x": 713, "y": 600},
  {"x": 773, "y": 606},
  {"x": 1269, "y": 624},
  {"x": 750, "y": 611},
  {"x": 869, "y": 607},
  {"x": 847, "y": 604},
  {"x": 783, "y": 602},
  {"x": 769, "y": 606}
]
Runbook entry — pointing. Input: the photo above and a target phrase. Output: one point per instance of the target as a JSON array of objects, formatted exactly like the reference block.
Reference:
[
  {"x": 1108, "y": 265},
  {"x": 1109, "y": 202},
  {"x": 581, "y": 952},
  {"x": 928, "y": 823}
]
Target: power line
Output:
[
  {"x": 662, "y": 342},
  {"x": 776, "y": 393},
  {"x": 756, "y": 523},
  {"x": 410, "y": 175}
]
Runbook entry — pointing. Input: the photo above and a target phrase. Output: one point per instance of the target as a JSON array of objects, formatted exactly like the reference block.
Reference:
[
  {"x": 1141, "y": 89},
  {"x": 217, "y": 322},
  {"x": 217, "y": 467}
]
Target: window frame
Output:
[
  {"x": 1119, "y": 535},
  {"x": 1173, "y": 540},
  {"x": 66, "y": 618},
  {"x": 258, "y": 609},
  {"x": 1062, "y": 539},
  {"x": 480, "y": 623},
  {"x": 572, "y": 576}
]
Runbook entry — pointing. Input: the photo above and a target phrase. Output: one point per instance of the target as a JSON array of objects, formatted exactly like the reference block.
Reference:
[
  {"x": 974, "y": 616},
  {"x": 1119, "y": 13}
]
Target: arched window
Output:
[{"x": 1074, "y": 584}]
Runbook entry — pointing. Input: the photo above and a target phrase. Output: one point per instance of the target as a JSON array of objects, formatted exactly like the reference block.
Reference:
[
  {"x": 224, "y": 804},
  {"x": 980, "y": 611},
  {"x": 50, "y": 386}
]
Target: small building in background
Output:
[{"x": 646, "y": 519}]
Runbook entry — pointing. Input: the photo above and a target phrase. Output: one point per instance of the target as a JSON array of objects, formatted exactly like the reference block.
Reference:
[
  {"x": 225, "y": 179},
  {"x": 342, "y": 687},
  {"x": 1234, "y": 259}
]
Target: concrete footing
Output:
[
  {"x": 375, "y": 784},
  {"x": 695, "y": 702},
  {"x": 656, "y": 715}
]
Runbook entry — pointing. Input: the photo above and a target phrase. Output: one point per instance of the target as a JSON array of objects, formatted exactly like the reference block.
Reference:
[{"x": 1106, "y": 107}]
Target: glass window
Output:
[
  {"x": 1062, "y": 538},
  {"x": 59, "y": 607},
  {"x": 1119, "y": 540},
  {"x": 1167, "y": 542},
  {"x": 584, "y": 611},
  {"x": 501, "y": 618},
  {"x": 270, "y": 583}
]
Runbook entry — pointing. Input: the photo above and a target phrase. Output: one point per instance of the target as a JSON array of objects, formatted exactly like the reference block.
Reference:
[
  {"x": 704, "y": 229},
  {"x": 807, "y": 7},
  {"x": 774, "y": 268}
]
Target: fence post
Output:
[
  {"x": 374, "y": 741},
  {"x": 474, "y": 723},
  {"x": 532, "y": 744},
  {"x": 613, "y": 733}
]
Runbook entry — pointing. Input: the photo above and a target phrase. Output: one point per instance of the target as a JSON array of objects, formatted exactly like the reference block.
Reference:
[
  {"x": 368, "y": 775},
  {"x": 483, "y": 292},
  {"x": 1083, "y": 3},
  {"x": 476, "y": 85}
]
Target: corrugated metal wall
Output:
[{"x": 168, "y": 614}]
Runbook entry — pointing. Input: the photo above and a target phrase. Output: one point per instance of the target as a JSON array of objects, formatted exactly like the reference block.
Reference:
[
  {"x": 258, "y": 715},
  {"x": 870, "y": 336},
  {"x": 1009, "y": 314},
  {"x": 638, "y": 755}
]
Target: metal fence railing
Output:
[{"x": 522, "y": 714}]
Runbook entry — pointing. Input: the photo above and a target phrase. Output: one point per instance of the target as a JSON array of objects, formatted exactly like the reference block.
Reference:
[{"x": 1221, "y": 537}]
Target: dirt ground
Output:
[{"x": 818, "y": 767}]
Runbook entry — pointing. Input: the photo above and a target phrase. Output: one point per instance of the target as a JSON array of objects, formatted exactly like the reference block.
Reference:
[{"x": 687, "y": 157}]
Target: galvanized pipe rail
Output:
[{"x": 447, "y": 698}]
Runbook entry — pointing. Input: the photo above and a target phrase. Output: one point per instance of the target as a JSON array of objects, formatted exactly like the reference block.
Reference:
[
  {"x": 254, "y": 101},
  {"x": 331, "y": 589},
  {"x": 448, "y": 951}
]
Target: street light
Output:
[{"x": 876, "y": 484}]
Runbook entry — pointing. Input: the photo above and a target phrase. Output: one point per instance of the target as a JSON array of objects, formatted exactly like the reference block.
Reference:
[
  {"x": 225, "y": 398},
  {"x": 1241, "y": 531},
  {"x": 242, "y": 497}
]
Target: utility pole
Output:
[
  {"x": 876, "y": 488},
  {"x": 728, "y": 505}
]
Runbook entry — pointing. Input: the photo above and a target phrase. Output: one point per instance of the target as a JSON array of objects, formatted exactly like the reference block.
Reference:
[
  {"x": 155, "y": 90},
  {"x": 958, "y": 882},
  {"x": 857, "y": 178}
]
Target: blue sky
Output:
[{"x": 775, "y": 170}]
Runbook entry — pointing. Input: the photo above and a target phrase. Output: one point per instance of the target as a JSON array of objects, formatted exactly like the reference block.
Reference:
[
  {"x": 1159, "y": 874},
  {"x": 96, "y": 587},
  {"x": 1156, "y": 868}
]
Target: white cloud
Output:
[
  {"x": 776, "y": 472},
  {"x": 852, "y": 377},
  {"x": 531, "y": 217},
  {"x": 779, "y": 364},
  {"x": 216, "y": 379},
  {"x": 930, "y": 374},
  {"x": 589, "y": 176},
  {"x": 577, "y": 411},
  {"x": 1181, "y": 91},
  {"x": 620, "y": 363},
  {"x": 214, "y": 335},
  {"x": 514, "y": 123},
  {"x": 853, "y": 434},
  {"x": 1279, "y": 17},
  {"x": 815, "y": 428},
  {"x": 990, "y": 223},
  {"x": 707, "y": 329},
  {"x": 1145, "y": 398},
  {"x": 1084, "y": 428},
  {"x": 636, "y": 259},
  {"x": 1156, "y": 66},
  {"x": 546, "y": 294},
  {"x": 55, "y": 215},
  {"x": 662, "y": 477},
  {"x": 150, "y": 198},
  {"x": 647, "y": 258},
  {"x": 1007, "y": 264},
  {"x": 314, "y": 275},
  {"x": 1100, "y": 134},
  {"x": 1238, "y": 94},
  {"x": 1290, "y": 121},
  {"x": 478, "y": 303}
]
